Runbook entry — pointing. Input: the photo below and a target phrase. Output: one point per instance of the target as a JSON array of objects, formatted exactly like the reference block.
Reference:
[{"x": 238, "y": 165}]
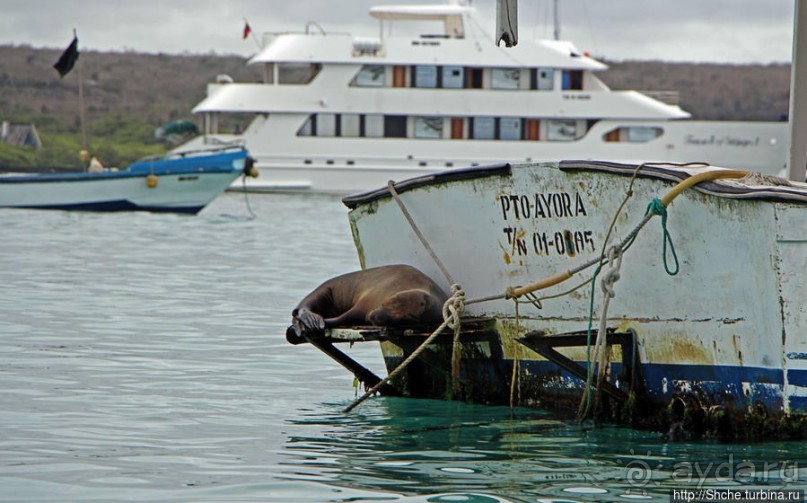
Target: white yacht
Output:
[{"x": 340, "y": 113}]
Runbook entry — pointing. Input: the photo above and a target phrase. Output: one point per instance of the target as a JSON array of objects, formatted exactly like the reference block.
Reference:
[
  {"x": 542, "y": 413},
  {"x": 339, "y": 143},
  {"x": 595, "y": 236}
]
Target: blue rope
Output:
[{"x": 657, "y": 208}]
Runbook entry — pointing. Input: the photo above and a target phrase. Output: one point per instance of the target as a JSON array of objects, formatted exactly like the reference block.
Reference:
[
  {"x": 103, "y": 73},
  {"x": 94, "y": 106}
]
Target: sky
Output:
[{"x": 725, "y": 31}]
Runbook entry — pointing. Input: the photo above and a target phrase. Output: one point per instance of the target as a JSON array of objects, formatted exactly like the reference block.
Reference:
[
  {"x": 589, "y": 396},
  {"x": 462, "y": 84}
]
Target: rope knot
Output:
[
  {"x": 656, "y": 207},
  {"x": 454, "y": 306},
  {"x": 612, "y": 275}
]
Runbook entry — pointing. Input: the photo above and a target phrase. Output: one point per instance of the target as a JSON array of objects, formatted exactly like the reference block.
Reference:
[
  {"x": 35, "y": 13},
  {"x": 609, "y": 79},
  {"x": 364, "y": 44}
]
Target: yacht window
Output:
[
  {"x": 374, "y": 126},
  {"x": 612, "y": 135},
  {"x": 428, "y": 127},
  {"x": 370, "y": 76},
  {"x": 297, "y": 73},
  {"x": 398, "y": 76},
  {"x": 510, "y": 128},
  {"x": 543, "y": 79},
  {"x": 424, "y": 76},
  {"x": 309, "y": 128},
  {"x": 457, "y": 128},
  {"x": 532, "y": 129},
  {"x": 483, "y": 128},
  {"x": 641, "y": 134},
  {"x": 474, "y": 79},
  {"x": 453, "y": 77},
  {"x": 504, "y": 78},
  {"x": 572, "y": 80},
  {"x": 326, "y": 125},
  {"x": 633, "y": 134},
  {"x": 395, "y": 126},
  {"x": 349, "y": 125},
  {"x": 561, "y": 130}
]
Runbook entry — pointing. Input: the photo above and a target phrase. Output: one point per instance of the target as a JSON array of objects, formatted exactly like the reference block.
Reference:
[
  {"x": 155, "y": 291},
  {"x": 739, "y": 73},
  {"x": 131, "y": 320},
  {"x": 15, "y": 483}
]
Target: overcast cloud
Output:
[{"x": 734, "y": 31}]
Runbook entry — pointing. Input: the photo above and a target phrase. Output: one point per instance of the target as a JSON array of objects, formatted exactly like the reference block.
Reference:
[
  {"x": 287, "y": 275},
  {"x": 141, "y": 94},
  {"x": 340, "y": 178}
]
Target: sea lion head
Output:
[{"x": 409, "y": 306}]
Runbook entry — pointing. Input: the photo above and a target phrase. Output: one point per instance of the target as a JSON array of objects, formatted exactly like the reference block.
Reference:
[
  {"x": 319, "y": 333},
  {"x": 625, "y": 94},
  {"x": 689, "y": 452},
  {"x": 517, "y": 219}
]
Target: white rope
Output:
[
  {"x": 454, "y": 306},
  {"x": 611, "y": 276},
  {"x": 452, "y": 309},
  {"x": 397, "y": 198}
]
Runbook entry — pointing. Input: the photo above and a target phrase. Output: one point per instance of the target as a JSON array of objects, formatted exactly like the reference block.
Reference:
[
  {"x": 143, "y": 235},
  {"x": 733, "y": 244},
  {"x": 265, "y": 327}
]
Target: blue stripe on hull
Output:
[
  {"x": 718, "y": 384},
  {"x": 797, "y": 377},
  {"x": 798, "y": 404},
  {"x": 731, "y": 386},
  {"x": 121, "y": 205}
]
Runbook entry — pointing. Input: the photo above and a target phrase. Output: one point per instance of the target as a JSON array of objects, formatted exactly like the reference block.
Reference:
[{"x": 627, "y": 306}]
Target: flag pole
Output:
[
  {"x": 81, "y": 112},
  {"x": 254, "y": 37}
]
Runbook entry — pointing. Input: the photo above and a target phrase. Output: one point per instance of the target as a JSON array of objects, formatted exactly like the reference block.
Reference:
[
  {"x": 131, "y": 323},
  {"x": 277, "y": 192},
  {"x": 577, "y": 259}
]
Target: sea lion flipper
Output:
[
  {"x": 305, "y": 320},
  {"x": 352, "y": 316}
]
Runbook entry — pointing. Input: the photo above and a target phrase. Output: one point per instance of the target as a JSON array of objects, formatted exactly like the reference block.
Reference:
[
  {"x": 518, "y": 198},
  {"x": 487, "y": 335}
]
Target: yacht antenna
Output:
[{"x": 556, "y": 18}]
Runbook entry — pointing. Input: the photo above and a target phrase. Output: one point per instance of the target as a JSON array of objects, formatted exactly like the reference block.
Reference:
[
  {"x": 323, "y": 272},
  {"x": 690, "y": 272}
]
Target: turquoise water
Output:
[{"x": 143, "y": 357}]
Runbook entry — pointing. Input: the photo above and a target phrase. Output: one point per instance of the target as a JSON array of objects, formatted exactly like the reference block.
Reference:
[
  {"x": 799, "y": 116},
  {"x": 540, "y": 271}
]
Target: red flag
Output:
[{"x": 247, "y": 29}]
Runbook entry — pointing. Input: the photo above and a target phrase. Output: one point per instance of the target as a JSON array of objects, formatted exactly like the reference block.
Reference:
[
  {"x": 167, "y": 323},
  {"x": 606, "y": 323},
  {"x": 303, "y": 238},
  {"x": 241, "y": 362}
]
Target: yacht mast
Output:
[{"x": 507, "y": 22}]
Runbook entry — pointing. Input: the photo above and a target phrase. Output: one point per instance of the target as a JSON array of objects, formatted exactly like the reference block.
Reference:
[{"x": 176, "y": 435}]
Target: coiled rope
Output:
[{"x": 454, "y": 307}]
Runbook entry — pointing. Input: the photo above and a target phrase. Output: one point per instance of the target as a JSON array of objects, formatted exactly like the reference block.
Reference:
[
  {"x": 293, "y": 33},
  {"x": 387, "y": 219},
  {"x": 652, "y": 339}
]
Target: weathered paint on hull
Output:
[
  {"x": 720, "y": 401},
  {"x": 728, "y": 331}
]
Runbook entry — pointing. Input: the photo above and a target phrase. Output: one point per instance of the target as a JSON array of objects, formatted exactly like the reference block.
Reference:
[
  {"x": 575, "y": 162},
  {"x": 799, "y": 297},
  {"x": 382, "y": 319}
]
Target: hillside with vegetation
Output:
[
  {"x": 128, "y": 95},
  {"x": 711, "y": 91}
]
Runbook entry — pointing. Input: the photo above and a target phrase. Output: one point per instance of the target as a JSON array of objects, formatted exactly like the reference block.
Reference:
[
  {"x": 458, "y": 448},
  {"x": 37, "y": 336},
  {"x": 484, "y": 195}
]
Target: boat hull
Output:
[
  {"x": 288, "y": 163},
  {"x": 726, "y": 332},
  {"x": 184, "y": 184}
]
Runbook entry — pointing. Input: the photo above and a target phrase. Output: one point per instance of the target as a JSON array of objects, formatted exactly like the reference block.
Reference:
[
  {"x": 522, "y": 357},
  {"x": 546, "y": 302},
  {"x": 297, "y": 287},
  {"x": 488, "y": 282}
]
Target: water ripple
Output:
[{"x": 143, "y": 357}]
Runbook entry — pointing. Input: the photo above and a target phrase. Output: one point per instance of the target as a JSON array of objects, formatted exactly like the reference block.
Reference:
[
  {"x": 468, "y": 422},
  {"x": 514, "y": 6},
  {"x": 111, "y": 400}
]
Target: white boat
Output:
[
  {"x": 723, "y": 338},
  {"x": 662, "y": 296},
  {"x": 341, "y": 113},
  {"x": 178, "y": 183}
]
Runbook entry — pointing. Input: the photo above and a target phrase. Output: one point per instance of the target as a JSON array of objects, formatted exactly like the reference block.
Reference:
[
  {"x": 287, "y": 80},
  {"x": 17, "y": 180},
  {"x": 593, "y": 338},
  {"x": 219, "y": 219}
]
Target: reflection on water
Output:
[
  {"x": 427, "y": 446},
  {"x": 434, "y": 447},
  {"x": 143, "y": 357}
]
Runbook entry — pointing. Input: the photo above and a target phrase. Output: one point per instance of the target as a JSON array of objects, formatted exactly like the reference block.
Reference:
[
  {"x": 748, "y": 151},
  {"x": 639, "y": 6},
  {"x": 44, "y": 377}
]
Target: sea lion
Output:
[{"x": 386, "y": 295}]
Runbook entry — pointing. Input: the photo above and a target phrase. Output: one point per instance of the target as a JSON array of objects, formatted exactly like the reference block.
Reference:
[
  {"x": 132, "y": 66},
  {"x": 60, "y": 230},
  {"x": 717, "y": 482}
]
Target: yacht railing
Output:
[
  {"x": 268, "y": 36},
  {"x": 668, "y": 97}
]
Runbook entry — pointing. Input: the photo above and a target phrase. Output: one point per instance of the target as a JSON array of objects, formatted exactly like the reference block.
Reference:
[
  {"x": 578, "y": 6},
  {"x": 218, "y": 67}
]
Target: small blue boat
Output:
[{"x": 177, "y": 183}]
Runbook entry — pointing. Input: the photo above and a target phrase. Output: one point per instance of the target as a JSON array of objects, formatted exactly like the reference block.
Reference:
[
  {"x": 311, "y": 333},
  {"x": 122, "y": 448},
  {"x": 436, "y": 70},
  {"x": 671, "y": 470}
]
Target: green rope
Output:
[
  {"x": 657, "y": 208},
  {"x": 584, "y": 412}
]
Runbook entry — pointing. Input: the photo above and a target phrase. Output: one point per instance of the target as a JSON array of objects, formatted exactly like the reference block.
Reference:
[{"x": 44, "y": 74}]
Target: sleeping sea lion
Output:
[{"x": 386, "y": 295}]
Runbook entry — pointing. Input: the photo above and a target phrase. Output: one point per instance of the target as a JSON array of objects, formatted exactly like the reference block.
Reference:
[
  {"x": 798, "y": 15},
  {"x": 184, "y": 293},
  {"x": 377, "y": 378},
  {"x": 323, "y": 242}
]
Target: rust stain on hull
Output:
[{"x": 678, "y": 347}]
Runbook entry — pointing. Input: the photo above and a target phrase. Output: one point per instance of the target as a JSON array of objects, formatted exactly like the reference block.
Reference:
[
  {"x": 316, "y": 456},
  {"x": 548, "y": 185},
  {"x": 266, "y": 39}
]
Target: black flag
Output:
[{"x": 68, "y": 58}]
